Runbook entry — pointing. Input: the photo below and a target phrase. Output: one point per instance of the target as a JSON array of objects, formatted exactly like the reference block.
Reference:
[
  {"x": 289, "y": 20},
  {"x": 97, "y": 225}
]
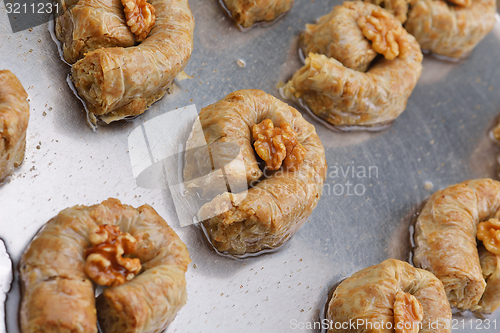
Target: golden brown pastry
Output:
[
  {"x": 91, "y": 25},
  {"x": 398, "y": 8},
  {"x": 248, "y": 12},
  {"x": 58, "y": 295},
  {"x": 332, "y": 84},
  {"x": 445, "y": 239},
  {"x": 14, "y": 117},
  {"x": 451, "y": 30},
  {"x": 116, "y": 82},
  {"x": 338, "y": 35},
  {"x": 392, "y": 296},
  {"x": 277, "y": 202},
  {"x": 490, "y": 266}
]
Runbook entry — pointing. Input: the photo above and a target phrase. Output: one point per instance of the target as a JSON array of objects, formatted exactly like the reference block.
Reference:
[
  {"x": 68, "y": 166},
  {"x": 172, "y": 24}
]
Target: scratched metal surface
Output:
[{"x": 439, "y": 140}]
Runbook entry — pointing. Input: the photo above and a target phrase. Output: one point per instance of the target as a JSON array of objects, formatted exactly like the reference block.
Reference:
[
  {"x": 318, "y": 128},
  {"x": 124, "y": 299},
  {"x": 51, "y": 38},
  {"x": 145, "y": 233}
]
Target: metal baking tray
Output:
[{"x": 361, "y": 219}]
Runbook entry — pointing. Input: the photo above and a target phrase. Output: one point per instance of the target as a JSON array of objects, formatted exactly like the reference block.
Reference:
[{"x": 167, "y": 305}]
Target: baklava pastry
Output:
[
  {"x": 133, "y": 252},
  {"x": 252, "y": 128},
  {"x": 116, "y": 82},
  {"x": 248, "y": 12},
  {"x": 392, "y": 296},
  {"x": 398, "y": 8},
  {"x": 490, "y": 266},
  {"x": 445, "y": 240},
  {"x": 451, "y": 30},
  {"x": 91, "y": 25},
  {"x": 340, "y": 47},
  {"x": 14, "y": 117}
]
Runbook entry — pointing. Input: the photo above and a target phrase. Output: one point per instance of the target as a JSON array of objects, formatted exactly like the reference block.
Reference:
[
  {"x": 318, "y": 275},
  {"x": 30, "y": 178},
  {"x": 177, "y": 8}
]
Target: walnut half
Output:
[
  {"x": 489, "y": 233},
  {"x": 408, "y": 313},
  {"x": 105, "y": 263},
  {"x": 140, "y": 17},
  {"x": 278, "y": 145},
  {"x": 386, "y": 33}
]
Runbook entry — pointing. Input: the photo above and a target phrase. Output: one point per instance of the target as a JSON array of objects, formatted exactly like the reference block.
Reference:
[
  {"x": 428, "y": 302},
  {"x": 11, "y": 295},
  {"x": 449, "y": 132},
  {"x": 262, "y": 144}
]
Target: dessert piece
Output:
[
  {"x": 14, "y": 117},
  {"x": 279, "y": 197},
  {"x": 490, "y": 266},
  {"x": 392, "y": 296},
  {"x": 248, "y": 12},
  {"x": 398, "y": 8},
  {"x": 354, "y": 34},
  {"x": 147, "y": 286},
  {"x": 451, "y": 30},
  {"x": 445, "y": 239},
  {"x": 340, "y": 47},
  {"x": 91, "y": 25},
  {"x": 115, "y": 81}
]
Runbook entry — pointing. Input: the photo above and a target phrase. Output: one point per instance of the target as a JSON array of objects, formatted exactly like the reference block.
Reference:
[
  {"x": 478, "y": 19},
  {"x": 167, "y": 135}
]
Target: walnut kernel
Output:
[
  {"x": 140, "y": 17},
  {"x": 408, "y": 313},
  {"x": 387, "y": 35},
  {"x": 489, "y": 233},
  {"x": 105, "y": 263},
  {"x": 278, "y": 145}
]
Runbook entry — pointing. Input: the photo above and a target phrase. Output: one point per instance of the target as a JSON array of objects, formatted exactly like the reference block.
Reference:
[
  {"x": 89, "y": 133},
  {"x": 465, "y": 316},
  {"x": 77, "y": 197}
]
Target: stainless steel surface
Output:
[{"x": 439, "y": 140}]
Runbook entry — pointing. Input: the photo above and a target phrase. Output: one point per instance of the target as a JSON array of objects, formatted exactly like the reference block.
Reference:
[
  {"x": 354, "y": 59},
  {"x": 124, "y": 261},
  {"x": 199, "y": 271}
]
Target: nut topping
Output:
[
  {"x": 278, "y": 145},
  {"x": 140, "y": 17},
  {"x": 105, "y": 263},
  {"x": 387, "y": 35},
  {"x": 489, "y": 233}
]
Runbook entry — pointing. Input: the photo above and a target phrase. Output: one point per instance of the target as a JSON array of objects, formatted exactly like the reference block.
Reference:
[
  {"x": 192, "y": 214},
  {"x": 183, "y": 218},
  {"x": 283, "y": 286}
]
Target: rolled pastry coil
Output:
[
  {"x": 368, "y": 297},
  {"x": 490, "y": 266},
  {"x": 333, "y": 87},
  {"x": 398, "y": 8},
  {"x": 246, "y": 13},
  {"x": 91, "y": 25},
  {"x": 14, "y": 117},
  {"x": 58, "y": 295},
  {"x": 337, "y": 35},
  {"x": 445, "y": 239},
  {"x": 451, "y": 31},
  {"x": 119, "y": 82},
  {"x": 274, "y": 207}
]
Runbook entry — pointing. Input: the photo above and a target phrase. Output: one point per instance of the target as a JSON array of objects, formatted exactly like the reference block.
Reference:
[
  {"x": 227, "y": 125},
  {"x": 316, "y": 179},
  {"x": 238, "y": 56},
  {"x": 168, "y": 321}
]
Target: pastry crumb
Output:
[{"x": 241, "y": 63}]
